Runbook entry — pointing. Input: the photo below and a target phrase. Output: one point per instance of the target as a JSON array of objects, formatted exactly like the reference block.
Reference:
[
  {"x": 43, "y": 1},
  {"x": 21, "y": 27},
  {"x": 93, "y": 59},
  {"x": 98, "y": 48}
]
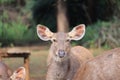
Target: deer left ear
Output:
[
  {"x": 77, "y": 32},
  {"x": 19, "y": 74},
  {"x": 44, "y": 33}
]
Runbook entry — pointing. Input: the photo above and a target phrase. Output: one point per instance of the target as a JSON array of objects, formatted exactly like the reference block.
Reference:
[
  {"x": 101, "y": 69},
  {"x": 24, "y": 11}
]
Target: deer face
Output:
[
  {"x": 60, "y": 45},
  {"x": 61, "y": 40}
]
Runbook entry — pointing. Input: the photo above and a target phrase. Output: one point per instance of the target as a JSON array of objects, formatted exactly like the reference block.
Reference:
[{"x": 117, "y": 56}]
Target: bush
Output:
[
  {"x": 15, "y": 32},
  {"x": 102, "y": 34},
  {"x": 6, "y": 1}
]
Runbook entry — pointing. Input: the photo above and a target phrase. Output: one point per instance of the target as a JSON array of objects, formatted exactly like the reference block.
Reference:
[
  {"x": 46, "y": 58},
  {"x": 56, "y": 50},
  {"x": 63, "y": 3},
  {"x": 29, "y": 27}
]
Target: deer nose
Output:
[{"x": 61, "y": 53}]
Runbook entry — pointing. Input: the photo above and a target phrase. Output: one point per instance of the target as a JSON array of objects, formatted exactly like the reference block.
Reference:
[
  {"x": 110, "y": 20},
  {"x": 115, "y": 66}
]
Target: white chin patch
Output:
[{"x": 58, "y": 59}]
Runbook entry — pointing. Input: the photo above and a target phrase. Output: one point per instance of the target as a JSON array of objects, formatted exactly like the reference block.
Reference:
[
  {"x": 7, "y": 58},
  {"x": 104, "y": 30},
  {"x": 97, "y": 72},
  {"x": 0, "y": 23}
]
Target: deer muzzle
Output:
[{"x": 61, "y": 53}]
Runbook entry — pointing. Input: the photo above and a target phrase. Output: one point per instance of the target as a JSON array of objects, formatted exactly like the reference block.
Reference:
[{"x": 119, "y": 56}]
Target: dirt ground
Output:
[{"x": 38, "y": 57}]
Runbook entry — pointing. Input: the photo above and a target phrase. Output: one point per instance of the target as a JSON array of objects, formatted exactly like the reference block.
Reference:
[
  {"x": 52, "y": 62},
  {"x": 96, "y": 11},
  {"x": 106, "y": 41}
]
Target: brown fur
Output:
[
  {"x": 82, "y": 53},
  {"x": 104, "y": 67},
  {"x": 67, "y": 66},
  {"x": 5, "y": 72}
]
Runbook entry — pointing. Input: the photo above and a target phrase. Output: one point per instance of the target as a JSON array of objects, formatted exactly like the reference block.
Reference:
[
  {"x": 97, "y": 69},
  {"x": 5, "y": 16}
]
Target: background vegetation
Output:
[{"x": 18, "y": 20}]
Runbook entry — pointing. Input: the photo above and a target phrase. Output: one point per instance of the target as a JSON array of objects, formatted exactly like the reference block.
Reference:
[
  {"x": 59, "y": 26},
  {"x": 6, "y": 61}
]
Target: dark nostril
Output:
[{"x": 61, "y": 53}]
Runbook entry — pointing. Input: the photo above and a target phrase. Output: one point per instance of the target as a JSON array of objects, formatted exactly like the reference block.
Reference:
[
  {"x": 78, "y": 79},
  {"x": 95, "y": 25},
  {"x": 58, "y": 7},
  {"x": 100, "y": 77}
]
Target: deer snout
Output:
[{"x": 61, "y": 53}]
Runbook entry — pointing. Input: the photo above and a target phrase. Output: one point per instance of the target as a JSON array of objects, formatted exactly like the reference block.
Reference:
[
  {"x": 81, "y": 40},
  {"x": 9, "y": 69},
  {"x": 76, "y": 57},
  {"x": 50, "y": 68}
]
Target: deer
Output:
[
  {"x": 103, "y": 67},
  {"x": 64, "y": 60},
  {"x": 6, "y": 73}
]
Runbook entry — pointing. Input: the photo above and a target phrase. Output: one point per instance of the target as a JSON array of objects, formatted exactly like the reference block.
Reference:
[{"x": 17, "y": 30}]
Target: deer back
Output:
[
  {"x": 81, "y": 53},
  {"x": 104, "y": 67}
]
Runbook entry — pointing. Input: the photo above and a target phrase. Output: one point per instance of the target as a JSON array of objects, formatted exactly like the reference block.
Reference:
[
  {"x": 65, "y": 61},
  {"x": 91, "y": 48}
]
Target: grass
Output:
[{"x": 38, "y": 63}]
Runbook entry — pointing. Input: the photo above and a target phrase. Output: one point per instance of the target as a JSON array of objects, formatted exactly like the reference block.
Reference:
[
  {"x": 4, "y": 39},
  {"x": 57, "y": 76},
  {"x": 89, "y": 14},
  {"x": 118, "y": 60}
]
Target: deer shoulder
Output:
[{"x": 103, "y": 67}]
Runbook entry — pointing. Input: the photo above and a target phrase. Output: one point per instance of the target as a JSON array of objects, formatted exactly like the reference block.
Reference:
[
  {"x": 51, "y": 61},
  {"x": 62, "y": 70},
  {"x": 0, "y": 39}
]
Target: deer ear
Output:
[
  {"x": 19, "y": 74},
  {"x": 77, "y": 32},
  {"x": 44, "y": 33}
]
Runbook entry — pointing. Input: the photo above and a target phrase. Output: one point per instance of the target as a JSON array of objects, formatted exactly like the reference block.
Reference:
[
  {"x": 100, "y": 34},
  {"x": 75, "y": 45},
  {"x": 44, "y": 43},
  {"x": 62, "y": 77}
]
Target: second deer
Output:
[
  {"x": 63, "y": 61},
  {"x": 104, "y": 67},
  {"x": 6, "y": 73}
]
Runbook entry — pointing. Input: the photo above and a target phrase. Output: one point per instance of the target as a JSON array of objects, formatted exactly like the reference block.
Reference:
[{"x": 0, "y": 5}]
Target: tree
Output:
[{"x": 79, "y": 11}]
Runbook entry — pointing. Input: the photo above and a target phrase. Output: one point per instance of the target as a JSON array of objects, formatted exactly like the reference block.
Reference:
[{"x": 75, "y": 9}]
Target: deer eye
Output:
[
  {"x": 54, "y": 40},
  {"x": 67, "y": 40}
]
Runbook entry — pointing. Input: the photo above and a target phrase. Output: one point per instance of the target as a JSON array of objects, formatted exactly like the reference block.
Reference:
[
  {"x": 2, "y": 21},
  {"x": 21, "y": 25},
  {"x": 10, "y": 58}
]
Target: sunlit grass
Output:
[{"x": 38, "y": 63}]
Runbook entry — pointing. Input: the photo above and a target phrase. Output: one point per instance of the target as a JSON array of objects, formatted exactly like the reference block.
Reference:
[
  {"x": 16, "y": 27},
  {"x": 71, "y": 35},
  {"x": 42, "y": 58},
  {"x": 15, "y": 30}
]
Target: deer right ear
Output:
[
  {"x": 44, "y": 33},
  {"x": 77, "y": 33}
]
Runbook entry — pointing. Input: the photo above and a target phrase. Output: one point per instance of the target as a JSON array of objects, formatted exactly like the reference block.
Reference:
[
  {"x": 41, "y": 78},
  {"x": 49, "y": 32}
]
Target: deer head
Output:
[
  {"x": 60, "y": 40},
  {"x": 19, "y": 74}
]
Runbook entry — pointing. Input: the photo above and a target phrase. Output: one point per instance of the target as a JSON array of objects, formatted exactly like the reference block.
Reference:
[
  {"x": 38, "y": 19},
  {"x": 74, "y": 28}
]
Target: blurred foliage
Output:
[
  {"x": 29, "y": 4},
  {"x": 102, "y": 34},
  {"x": 19, "y": 18},
  {"x": 79, "y": 11},
  {"x": 92, "y": 33},
  {"x": 6, "y": 1},
  {"x": 44, "y": 12},
  {"x": 15, "y": 32}
]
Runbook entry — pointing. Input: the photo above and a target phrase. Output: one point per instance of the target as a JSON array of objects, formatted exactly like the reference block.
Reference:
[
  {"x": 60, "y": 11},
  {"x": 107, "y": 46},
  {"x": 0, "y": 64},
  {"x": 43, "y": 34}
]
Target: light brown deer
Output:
[
  {"x": 6, "y": 73},
  {"x": 63, "y": 61},
  {"x": 104, "y": 67}
]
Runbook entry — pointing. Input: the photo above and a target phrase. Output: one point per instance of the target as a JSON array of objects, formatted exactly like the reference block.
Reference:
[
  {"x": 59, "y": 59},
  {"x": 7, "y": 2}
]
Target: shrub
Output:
[
  {"x": 102, "y": 34},
  {"x": 15, "y": 32}
]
